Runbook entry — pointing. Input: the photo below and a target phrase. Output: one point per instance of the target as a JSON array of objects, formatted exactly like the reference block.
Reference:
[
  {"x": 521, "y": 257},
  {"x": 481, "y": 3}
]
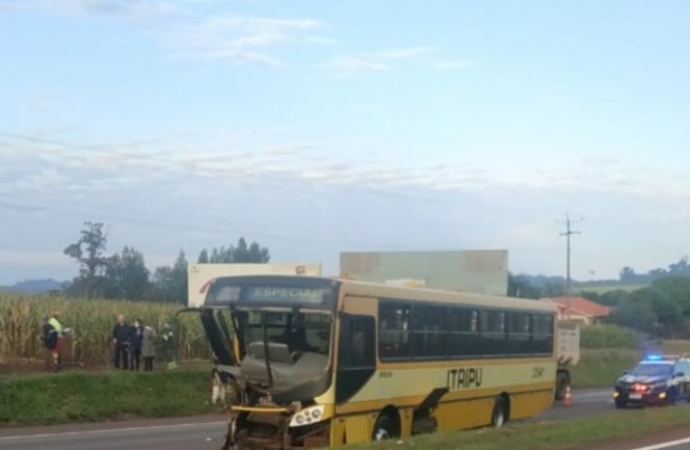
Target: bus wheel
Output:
[
  {"x": 384, "y": 428},
  {"x": 498, "y": 416},
  {"x": 562, "y": 383}
]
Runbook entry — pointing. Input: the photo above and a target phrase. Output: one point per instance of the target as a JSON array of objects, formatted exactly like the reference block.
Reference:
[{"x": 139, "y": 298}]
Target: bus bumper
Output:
[{"x": 269, "y": 430}]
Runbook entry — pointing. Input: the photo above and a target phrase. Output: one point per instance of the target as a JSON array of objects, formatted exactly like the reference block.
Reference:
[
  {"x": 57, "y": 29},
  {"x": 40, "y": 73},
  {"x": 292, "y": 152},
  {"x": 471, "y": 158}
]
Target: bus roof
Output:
[
  {"x": 369, "y": 289},
  {"x": 363, "y": 288}
]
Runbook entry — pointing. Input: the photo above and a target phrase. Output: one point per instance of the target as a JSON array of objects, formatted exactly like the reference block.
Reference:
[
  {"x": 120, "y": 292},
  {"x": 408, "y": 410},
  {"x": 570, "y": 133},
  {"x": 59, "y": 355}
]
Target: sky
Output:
[{"x": 315, "y": 127}]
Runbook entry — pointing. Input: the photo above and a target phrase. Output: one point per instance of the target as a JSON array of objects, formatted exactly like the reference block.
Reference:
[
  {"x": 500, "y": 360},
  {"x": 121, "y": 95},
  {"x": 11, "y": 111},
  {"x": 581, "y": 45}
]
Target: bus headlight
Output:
[{"x": 307, "y": 416}]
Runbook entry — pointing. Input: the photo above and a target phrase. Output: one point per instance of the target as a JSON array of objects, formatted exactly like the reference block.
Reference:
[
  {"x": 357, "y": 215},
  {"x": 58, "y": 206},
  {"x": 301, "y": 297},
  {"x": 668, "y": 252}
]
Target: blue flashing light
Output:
[{"x": 654, "y": 357}]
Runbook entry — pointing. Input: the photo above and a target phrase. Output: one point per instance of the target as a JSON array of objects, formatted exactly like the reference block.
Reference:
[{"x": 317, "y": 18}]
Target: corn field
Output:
[{"x": 92, "y": 322}]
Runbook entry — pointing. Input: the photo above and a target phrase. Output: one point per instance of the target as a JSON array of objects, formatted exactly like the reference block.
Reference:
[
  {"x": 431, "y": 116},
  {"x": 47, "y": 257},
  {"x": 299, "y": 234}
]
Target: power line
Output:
[{"x": 568, "y": 232}]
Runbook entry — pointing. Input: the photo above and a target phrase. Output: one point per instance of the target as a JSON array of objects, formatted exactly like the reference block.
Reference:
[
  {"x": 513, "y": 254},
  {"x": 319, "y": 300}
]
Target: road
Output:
[
  {"x": 207, "y": 433},
  {"x": 681, "y": 444}
]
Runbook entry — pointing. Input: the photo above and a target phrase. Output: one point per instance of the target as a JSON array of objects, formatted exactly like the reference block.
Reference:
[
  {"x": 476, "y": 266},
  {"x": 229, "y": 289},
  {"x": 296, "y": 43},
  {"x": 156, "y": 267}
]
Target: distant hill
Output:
[{"x": 33, "y": 286}]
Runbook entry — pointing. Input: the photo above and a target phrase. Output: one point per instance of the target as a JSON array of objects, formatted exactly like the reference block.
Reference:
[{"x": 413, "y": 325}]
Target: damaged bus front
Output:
[{"x": 273, "y": 341}]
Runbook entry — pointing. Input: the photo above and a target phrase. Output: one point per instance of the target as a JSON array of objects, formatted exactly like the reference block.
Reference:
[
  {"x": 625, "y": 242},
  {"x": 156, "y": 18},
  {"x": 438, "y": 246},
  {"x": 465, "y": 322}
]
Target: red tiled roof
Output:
[{"x": 580, "y": 305}]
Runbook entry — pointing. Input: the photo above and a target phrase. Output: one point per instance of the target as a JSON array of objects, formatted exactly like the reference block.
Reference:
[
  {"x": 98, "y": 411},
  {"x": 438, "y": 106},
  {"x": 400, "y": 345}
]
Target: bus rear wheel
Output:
[
  {"x": 498, "y": 416},
  {"x": 562, "y": 383},
  {"x": 384, "y": 428}
]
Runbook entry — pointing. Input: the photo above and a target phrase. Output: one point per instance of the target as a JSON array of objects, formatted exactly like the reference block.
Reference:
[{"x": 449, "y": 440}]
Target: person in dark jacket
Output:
[
  {"x": 122, "y": 333},
  {"x": 136, "y": 340}
]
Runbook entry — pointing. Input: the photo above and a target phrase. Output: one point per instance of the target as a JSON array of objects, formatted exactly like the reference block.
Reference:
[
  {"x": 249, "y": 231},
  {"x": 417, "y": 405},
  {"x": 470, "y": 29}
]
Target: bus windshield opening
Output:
[{"x": 284, "y": 348}]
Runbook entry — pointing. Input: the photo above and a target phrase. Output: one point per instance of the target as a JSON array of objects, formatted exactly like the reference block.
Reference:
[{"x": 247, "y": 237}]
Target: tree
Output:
[
  {"x": 680, "y": 268},
  {"x": 677, "y": 289},
  {"x": 203, "y": 257},
  {"x": 627, "y": 275},
  {"x": 127, "y": 276},
  {"x": 171, "y": 282},
  {"x": 637, "y": 314},
  {"x": 668, "y": 313},
  {"x": 239, "y": 254},
  {"x": 520, "y": 286},
  {"x": 88, "y": 252},
  {"x": 614, "y": 297}
]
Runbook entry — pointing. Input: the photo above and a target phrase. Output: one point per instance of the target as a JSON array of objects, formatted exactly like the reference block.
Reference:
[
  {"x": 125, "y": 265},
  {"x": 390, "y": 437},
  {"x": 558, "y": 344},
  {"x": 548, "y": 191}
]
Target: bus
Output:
[{"x": 322, "y": 362}]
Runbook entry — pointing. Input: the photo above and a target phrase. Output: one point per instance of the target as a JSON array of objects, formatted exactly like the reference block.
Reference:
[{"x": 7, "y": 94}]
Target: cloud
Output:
[
  {"x": 137, "y": 10},
  {"x": 187, "y": 30},
  {"x": 240, "y": 39},
  {"x": 130, "y": 10},
  {"x": 32, "y": 258},
  {"x": 453, "y": 65},
  {"x": 344, "y": 66},
  {"x": 303, "y": 201},
  {"x": 404, "y": 53},
  {"x": 35, "y": 164}
]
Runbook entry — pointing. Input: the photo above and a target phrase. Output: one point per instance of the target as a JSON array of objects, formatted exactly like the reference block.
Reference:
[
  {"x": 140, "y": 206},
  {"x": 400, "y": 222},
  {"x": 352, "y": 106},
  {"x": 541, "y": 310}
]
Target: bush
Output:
[{"x": 607, "y": 336}]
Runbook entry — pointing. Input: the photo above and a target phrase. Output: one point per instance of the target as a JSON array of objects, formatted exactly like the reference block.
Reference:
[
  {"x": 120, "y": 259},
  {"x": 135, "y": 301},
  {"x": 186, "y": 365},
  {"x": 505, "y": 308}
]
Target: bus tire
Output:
[
  {"x": 562, "y": 383},
  {"x": 499, "y": 414},
  {"x": 384, "y": 428}
]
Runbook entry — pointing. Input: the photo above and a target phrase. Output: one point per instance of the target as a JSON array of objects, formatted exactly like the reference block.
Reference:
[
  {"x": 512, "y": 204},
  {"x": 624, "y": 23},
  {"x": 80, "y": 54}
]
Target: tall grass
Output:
[
  {"x": 92, "y": 322},
  {"x": 608, "y": 336}
]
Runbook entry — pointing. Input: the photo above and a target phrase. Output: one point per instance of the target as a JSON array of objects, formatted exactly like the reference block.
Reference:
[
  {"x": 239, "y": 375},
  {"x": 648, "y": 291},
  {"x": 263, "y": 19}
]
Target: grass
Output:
[
  {"x": 95, "y": 397},
  {"x": 601, "y": 367},
  {"x": 677, "y": 346},
  {"x": 576, "y": 434},
  {"x": 92, "y": 322},
  {"x": 607, "y": 336}
]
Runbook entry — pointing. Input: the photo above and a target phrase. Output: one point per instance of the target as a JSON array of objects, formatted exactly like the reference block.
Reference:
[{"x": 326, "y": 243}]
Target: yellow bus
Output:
[{"x": 318, "y": 362}]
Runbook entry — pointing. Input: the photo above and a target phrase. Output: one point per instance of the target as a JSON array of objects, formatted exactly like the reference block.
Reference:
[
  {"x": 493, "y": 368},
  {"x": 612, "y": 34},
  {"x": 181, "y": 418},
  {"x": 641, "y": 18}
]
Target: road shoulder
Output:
[{"x": 7, "y": 431}]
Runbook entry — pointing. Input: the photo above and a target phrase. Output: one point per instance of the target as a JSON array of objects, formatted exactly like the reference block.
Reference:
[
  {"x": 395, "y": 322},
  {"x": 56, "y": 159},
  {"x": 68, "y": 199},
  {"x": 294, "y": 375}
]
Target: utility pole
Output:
[{"x": 568, "y": 232}]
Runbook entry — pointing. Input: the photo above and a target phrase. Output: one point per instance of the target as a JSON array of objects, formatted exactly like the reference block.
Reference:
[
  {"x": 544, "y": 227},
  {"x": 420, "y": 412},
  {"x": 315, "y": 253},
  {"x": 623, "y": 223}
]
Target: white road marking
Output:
[
  {"x": 666, "y": 444},
  {"x": 106, "y": 431}
]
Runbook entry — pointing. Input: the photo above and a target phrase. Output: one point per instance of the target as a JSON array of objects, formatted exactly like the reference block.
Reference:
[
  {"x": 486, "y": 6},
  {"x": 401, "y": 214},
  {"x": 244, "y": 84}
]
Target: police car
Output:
[{"x": 658, "y": 379}]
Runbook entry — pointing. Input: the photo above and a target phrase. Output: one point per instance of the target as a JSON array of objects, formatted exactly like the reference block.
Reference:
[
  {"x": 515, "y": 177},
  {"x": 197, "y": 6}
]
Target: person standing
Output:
[
  {"x": 169, "y": 346},
  {"x": 122, "y": 332},
  {"x": 56, "y": 350},
  {"x": 136, "y": 338},
  {"x": 148, "y": 347},
  {"x": 49, "y": 336}
]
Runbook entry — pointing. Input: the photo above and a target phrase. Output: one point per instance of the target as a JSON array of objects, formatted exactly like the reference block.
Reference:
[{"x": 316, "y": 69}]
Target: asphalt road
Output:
[
  {"x": 685, "y": 445},
  {"x": 207, "y": 433}
]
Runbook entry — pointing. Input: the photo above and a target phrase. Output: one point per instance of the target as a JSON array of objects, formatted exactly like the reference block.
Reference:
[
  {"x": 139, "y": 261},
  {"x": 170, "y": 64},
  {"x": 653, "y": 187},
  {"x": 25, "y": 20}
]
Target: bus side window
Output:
[{"x": 394, "y": 330}]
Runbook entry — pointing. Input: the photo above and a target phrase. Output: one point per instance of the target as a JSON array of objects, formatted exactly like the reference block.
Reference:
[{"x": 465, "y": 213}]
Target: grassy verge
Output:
[
  {"x": 91, "y": 397},
  {"x": 575, "y": 434},
  {"x": 601, "y": 367}
]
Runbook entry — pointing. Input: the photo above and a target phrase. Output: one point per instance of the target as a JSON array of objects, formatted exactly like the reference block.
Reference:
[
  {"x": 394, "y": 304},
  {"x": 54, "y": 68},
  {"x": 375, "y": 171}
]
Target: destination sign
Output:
[
  {"x": 267, "y": 294},
  {"x": 284, "y": 294}
]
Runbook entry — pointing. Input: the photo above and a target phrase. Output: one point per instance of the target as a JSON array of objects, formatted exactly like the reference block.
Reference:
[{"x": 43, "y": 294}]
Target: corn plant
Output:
[{"x": 92, "y": 322}]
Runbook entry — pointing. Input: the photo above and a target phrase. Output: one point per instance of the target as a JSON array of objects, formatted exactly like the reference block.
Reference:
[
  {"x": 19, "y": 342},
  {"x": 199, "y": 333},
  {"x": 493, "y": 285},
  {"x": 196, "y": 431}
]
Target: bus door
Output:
[
  {"x": 219, "y": 328},
  {"x": 356, "y": 359}
]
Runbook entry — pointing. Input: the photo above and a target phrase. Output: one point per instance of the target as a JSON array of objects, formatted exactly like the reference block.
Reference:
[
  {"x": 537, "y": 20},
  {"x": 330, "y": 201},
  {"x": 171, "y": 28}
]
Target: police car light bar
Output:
[{"x": 661, "y": 357}]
